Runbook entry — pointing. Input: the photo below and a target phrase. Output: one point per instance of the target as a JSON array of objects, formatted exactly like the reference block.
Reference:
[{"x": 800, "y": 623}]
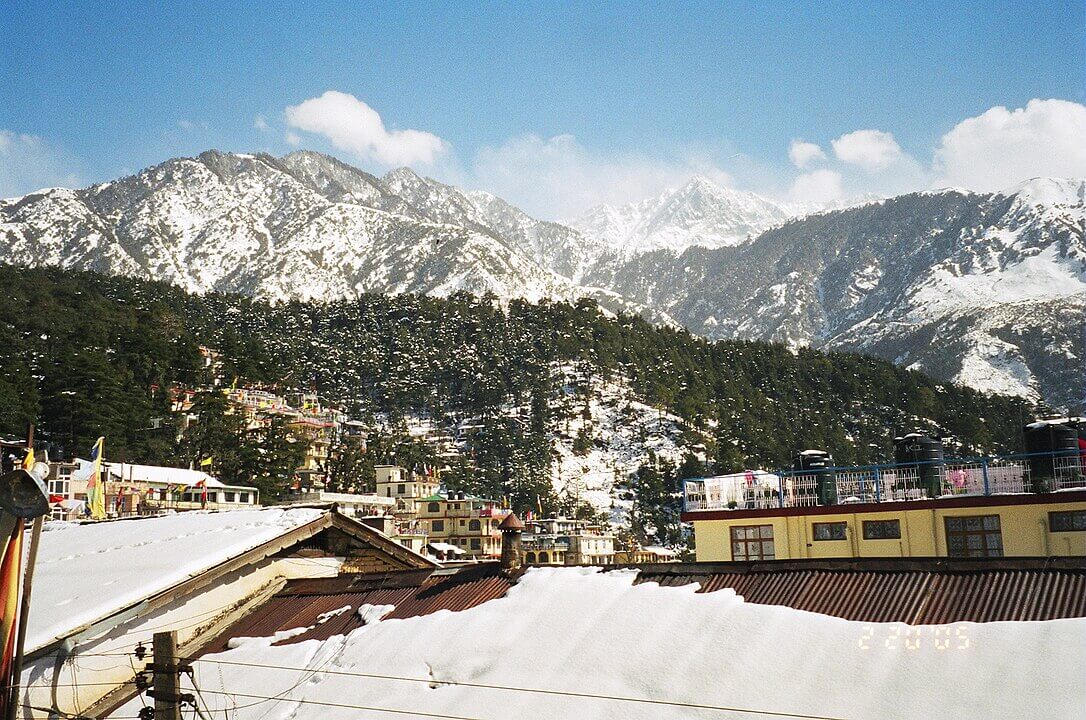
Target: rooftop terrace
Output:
[{"x": 895, "y": 482}]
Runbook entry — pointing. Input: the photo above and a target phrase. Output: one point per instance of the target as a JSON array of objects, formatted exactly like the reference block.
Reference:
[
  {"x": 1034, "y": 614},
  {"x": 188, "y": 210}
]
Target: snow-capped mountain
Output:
[
  {"x": 984, "y": 289},
  {"x": 304, "y": 226},
  {"x": 701, "y": 213}
]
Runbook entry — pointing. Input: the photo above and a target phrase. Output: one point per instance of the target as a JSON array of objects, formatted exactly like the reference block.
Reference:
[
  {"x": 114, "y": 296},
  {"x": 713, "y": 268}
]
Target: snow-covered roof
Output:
[
  {"x": 1056, "y": 421},
  {"x": 158, "y": 474},
  {"x": 87, "y": 572},
  {"x": 445, "y": 547},
  {"x": 578, "y": 642}
]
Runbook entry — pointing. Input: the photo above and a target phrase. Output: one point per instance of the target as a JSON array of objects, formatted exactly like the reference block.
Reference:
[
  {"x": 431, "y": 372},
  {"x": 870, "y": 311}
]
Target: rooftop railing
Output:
[{"x": 898, "y": 482}]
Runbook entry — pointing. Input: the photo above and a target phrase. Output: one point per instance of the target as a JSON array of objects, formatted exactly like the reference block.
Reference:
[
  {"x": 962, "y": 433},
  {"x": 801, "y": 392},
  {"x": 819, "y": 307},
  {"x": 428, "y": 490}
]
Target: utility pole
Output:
[{"x": 167, "y": 685}]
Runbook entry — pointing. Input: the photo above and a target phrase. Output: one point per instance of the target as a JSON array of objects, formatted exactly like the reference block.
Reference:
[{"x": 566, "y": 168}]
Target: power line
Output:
[
  {"x": 347, "y": 706},
  {"x": 541, "y": 691}
]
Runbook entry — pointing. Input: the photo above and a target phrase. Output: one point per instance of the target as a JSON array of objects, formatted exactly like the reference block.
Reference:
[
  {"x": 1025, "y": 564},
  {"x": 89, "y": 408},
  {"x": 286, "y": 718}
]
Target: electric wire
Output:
[
  {"x": 347, "y": 706},
  {"x": 542, "y": 691}
]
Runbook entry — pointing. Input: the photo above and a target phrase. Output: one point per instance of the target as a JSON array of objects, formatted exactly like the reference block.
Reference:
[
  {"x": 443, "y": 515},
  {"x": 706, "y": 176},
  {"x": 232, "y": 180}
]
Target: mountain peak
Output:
[
  {"x": 1069, "y": 192},
  {"x": 700, "y": 213}
]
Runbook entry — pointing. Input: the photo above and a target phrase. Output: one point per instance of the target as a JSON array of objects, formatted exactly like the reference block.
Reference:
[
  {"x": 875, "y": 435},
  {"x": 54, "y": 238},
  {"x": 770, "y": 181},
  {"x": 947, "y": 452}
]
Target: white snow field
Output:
[
  {"x": 586, "y": 633},
  {"x": 86, "y": 572}
]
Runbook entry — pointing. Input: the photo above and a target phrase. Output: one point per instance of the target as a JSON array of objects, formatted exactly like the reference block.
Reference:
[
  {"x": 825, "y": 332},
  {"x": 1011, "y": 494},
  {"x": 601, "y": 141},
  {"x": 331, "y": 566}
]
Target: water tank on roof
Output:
[
  {"x": 1050, "y": 443},
  {"x": 924, "y": 453},
  {"x": 818, "y": 463}
]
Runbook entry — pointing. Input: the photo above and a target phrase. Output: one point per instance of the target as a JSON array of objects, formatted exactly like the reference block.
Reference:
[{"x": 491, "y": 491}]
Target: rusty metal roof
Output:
[
  {"x": 916, "y": 591},
  {"x": 927, "y": 591}
]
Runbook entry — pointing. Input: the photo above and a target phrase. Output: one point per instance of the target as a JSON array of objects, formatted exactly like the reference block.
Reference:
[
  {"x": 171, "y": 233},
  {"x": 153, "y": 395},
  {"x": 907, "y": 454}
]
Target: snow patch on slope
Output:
[{"x": 623, "y": 433}]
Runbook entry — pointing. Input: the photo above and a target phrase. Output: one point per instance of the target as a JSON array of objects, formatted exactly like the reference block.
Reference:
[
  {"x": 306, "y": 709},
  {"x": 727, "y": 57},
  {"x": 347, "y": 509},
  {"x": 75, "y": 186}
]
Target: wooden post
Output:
[{"x": 167, "y": 679}]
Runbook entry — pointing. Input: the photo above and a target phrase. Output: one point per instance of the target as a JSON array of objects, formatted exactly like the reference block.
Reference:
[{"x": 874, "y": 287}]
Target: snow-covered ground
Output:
[{"x": 578, "y": 643}]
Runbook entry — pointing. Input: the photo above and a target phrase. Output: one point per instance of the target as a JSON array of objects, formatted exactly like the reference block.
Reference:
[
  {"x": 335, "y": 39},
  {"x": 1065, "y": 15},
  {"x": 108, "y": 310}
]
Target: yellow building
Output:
[
  {"x": 466, "y": 522},
  {"x": 972, "y": 526},
  {"x": 406, "y": 488}
]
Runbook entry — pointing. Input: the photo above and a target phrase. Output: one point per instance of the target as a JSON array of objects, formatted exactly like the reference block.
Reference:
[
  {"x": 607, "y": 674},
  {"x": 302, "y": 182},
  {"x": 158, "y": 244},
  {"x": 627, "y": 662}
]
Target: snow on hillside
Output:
[
  {"x": 656, "y": 653},
  {"x": 622, "y": 433},
  {"x": 722, "y": 262}
]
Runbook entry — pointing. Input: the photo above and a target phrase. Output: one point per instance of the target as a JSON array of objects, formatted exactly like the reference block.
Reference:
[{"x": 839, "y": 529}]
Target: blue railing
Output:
[{"x": 920, "y": 480}]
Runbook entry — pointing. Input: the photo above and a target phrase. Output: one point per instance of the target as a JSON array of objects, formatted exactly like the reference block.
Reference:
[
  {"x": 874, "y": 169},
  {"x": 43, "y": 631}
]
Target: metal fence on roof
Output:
[{"x": 917, "y": 480}]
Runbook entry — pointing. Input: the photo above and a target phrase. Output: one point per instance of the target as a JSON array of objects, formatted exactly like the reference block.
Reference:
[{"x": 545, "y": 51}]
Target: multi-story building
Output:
[
  {"x": 467, "y": 522},
  {"x": 1025, "y": 505},
  {"x": 562, "y": 541},
  {"x": 406, "y": 488}
]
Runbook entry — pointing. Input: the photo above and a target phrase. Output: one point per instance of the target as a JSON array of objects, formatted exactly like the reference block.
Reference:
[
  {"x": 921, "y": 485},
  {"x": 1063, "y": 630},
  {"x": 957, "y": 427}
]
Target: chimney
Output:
[{"x": 511, "y": 528}]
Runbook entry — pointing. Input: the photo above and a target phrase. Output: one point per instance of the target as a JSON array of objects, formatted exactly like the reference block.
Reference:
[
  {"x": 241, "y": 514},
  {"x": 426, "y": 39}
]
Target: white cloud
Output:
[
  {"x": 559, "y": 178},
  {"x": 1002, "y": 147},
  {"x": 820, "y": 186},
  {"x": 871, "y": 150},
  {"x": 803, "y": 153},
  {"x": 352, "y": 125},
  {"x": 260, "y": 123},
  {"x": 28, "y": 163},
  {"x": 292, "y": 139},
  {"x": 186, "y": 124}
]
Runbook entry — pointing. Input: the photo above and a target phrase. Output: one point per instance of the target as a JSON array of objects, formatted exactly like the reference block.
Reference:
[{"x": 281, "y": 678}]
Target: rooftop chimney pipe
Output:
[{"x": 511, "y": 528}]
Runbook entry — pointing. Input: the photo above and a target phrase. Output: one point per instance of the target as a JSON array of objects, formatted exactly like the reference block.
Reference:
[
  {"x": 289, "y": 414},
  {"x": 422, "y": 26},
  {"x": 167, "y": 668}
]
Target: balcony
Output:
[{"x": 999, "y": 475}]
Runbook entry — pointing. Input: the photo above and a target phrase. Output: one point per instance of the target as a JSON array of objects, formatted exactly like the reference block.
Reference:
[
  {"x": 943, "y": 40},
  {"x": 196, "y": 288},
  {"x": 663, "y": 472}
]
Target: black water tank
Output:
[
  {"x": 1049, "y": 440},
  {"x": 925, "y": 453},
  {"x": 820, "y": 464}
]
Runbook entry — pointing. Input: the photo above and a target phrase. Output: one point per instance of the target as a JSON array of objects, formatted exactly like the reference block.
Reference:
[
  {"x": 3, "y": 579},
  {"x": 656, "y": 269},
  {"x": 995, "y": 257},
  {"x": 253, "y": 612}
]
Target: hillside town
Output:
[{"x": 697, "y": 360}]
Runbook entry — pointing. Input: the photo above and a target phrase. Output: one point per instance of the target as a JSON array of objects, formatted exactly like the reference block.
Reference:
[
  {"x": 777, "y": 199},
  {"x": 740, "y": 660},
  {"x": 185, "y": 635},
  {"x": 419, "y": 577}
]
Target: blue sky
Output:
[{"x": 627, "y": 97}]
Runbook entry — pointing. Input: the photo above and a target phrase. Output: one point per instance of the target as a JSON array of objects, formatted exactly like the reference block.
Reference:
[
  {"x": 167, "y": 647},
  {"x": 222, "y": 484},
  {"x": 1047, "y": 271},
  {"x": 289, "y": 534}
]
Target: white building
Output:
[
  {"x": 133, "y": 489},
  {"x": 405, "y": 488},
  {"x": 562, "y": 541},
  {"x": 167, "y": 488}
]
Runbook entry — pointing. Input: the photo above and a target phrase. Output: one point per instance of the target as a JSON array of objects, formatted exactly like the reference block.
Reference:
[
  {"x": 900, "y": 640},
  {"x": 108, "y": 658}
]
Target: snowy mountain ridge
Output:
[
  {"x": 973, "y": 287},
  {"x": 700, "y": 213}
]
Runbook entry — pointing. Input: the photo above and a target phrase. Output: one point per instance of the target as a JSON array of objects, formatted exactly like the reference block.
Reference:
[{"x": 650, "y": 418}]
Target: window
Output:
[
  {"x": 494, "y": 523},
  {"x": 212, "y": 497},
  {"x": 752, "y": 542},
  {"x": 1069, "y": 521},
  {"x": 829, "y": 531},
  {"x": 437, "y": 525},
  {"x": 475, "y": 543},
  {"x": 543, "y": 557},
  {"x": 243, "y": 497},
  {"x": 530, "y": 557},
  {"x": 461, "y": 523},
  {"x": 228, "y": 496},
  {"x": 474, "y": 525},
  {"x": 973, "y": 536},
  {"x": 433, "y": 507},
  {"x": 882, "y": 529},
  {"x": 400, "y": 489}
]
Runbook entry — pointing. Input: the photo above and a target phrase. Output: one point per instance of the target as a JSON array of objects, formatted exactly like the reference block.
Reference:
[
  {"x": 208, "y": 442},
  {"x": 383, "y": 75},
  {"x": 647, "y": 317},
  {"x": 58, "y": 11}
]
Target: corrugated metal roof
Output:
[
  {"x": 915, "y": 591},
  {"x": 920, "y": 592}
]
